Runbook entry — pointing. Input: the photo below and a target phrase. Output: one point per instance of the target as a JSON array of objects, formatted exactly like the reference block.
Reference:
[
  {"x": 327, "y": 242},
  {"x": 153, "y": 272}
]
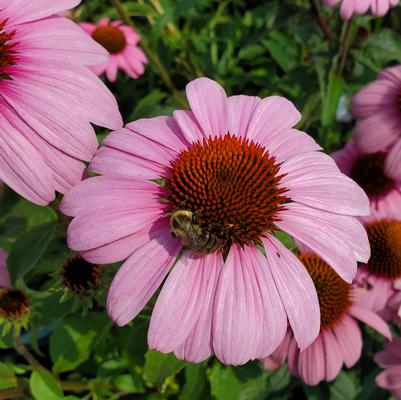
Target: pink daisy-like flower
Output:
[
  {"x": 121, "y": 41},
  {"x": 4, "y": 275},
  {"x": 377, "y": 109},
  {"x": 240, "y": 172},
  {"x": 350, "y": 7},
  {"x": 340, "y": 340},
  {"x": 381, "y": 275},
  {"x": 379, "y": 174},
  {"x": 390, "y": 360},
  {"x": 48, "y": 98}
]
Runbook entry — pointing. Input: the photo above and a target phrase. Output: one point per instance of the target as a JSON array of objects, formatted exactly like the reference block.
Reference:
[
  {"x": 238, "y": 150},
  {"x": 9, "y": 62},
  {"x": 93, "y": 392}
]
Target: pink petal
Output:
[
  {"x": 290, "y": 144},
  {"x": 208, "y": 102},
  {"x": 393, "y": 162},
  {"x": 296, "y": 290},
  {"x": 240, "y": 111},
  {"x": 333, "y": 356},
  {"x": 20, "y": 11},
  {"x": 188, "y": 290},
  {"x": 272, "y": 115},
  {"x": 140, "y": 276},
  {"x": 311, "y": 363},
  {"x": 372, "y": 319},
  {"x": 99, "y": 227},
  {"x": 164, "y": 131},
  {"x": 248, "y": 319},
  {"x": 188, "y": 125},
  {"x": 100, "y": 191},
  {"x": 390, "y": 379},
  {"x": 349, "y": 338},
  {"x": 332, "y": 243},
  {"x": 115, "y": 163}
]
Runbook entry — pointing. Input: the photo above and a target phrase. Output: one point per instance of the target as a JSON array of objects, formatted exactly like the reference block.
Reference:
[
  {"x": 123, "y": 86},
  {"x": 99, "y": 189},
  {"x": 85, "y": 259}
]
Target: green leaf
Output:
[
  {"x": 44, "y": 386},
  {"x": 345, "y": 387},
  {"x": 196, "y": 387},
  {"x": 7, "y": 377},
  {"x": 224, "y": 384},
  {"x": 335, "y": 89},
  {"x": 128, "y": 383},
  {"x": 28, "y": 249},
  {"x": 159, "y": 366},
  {"x": 72, "y": 340}
]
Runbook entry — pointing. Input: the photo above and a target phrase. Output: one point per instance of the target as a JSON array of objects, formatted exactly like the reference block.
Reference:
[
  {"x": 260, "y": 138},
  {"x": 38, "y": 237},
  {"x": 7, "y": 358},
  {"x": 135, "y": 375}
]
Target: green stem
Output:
[
  {"x": 24, "y": 352},
  {"x": 153, "y": 58},
  {"x": 347, "y": 36},
  {"x": 321, "y": 21}
]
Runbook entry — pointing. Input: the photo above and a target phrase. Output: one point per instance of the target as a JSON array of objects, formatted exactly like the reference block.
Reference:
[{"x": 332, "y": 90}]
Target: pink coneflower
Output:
[
  {"x": 340, "y": 340},
  {"x": 359, "y": 7},
  {"x": 240, "y": 171},
  {"x": 121, "y": 41},
  {"x": 379, "y": 174},
  {"x": 48, "y": 98},
  {"x": 378, "y": 112},
  {"x": 381, "y": 275},
  {"x": 390, "y": 360}
]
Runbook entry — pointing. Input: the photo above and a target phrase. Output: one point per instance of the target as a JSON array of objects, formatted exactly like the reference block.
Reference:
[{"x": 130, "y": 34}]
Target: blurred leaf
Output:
[
  {"x": 345, "y": 387},
  {"x": 28, "y": 249},
  {"x": 335, "y": 89},
  {"x": 71, "y": 341},
  {"x": 196, "y": 387},
  {"x": 147, "y": 107},
  {"x": 7, "y": 376},
  {"x": 44, "y": 386},
  {"x": 159, "y": 366},
  {"x": 128, "y": 383}
]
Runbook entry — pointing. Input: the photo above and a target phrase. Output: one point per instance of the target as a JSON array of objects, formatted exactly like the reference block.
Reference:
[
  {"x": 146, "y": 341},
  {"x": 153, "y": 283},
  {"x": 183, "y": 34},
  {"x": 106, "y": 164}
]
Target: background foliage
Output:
[{"x": 250, "y": 47}]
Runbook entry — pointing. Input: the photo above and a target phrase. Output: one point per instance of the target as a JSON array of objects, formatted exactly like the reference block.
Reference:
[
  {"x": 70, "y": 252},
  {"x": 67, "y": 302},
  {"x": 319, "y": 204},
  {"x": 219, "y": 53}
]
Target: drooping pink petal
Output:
[
  {"x": 303, "y": 223},
  {"x": 333, "y": 356},
  {"x": 188, "y": 290},
  {"x": 349, "y": 338},
  {"x": 247, "y": 310},
  {"x": 296, "y": 290},
  {"x": 372, "y": 319},
  {"x": 311, "y": 363},
  {"x": 140, "y": 276}
]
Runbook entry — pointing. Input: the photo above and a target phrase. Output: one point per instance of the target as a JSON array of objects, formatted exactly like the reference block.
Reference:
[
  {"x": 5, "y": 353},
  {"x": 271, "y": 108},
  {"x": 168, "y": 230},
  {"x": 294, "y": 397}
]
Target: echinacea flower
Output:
[
  {"x": 358, "y": 7},
  {"x": 390, "y": 360},
  {"x": 340, "y": 340},
  {"x": 378, "y": 112},
  {"x": 378, "y": 173},
  {"x": 48, "y": 98},
  {"x": 121, "y": 41},
  {"x": 381, "y": 275},
  {"x": 239, "y": 169}
]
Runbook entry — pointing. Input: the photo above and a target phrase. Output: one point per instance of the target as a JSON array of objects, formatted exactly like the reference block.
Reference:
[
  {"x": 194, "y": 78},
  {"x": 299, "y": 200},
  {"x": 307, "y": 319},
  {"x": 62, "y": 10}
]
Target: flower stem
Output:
[
  {"x": 153, "y": 57},
  {"x": 347, "y": 36},
  {"x": 321, "y": 21}
]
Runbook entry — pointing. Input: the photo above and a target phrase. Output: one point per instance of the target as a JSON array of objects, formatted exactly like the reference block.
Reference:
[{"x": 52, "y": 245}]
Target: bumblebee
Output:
[{"x": 185, "y": 226}]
